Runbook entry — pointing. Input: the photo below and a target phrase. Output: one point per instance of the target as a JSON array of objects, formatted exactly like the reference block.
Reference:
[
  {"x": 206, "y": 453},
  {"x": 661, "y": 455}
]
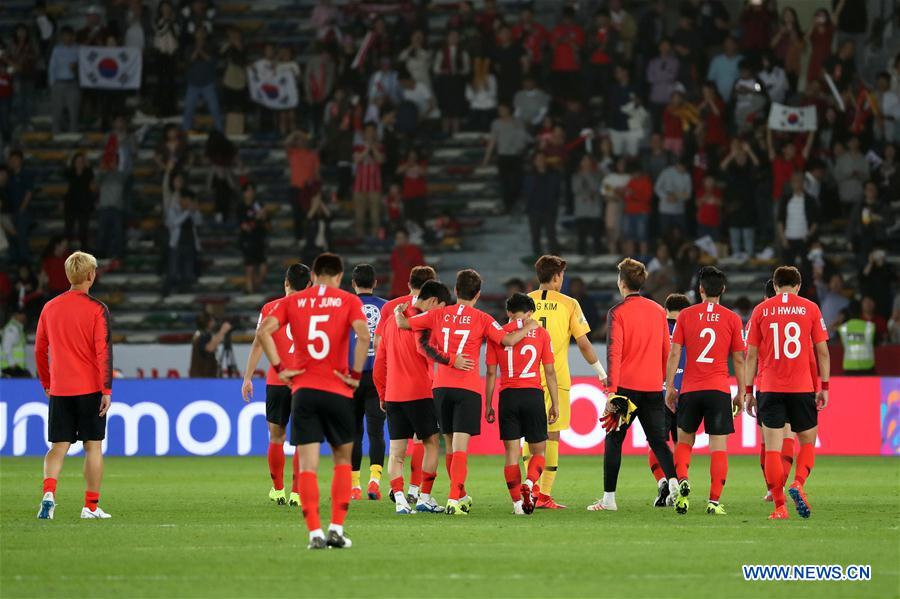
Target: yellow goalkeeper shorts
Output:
[{"x": 565, "y": 410}]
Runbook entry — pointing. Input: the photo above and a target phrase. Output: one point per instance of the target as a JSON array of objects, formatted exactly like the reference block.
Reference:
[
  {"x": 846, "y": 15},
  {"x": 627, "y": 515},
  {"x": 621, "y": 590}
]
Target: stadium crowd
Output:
[{"x": 631, "y": 128}]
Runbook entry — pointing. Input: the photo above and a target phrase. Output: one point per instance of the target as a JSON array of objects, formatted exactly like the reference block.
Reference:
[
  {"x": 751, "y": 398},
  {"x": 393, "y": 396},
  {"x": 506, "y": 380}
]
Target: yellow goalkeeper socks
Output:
[
  {"x": 549, "y": 475},
  {"x": 354, "y": 478},
  {"x": 375, "y": 473}
]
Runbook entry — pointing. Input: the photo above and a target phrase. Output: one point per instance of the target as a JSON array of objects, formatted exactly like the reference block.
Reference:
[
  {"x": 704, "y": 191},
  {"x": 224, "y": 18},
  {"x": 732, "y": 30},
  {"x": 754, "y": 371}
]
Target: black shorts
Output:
[
  {"x": 713, "y": 408},
  {"x": 366, "y": 401},
  {"x": 522, "y": 414},
  {"x": 672, "y": 424},
  {"x": 408, "y": 418},
  {"x": 278, "y": 404},
  {"x": 75, "y": 418},
  {"x": 459, "y": 410},
  {"x": 319, "y": 415},
  {"x": 775, "y": 409}
]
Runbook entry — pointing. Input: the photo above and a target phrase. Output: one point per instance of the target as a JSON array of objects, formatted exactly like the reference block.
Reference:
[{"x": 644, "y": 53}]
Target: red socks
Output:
[
  {"x": 428, "y": 481},
  {"x": 309, "y": 498},
  {"x": 91, "y": 499},
  {"x": 805, "y": 460},
  {"x": 682, "y": 460},
  {"x": 535, "y": 468},
  {"x": 415, "y": 464},
  {"x": 655, "y": 468},
  {"x": 276, "y": 465},
  {"x": 295, "y": 481},
  {"x": 513, "y": 477},
  {"x": 49, "y": 485},
  {"x": 397, "y": 484},
  {"x": 448, "y": 462},
  {"x": 787, "y": 456},
  {"x": 340, "y": 493},
  {"x": 718, "y": 472},
  {"x": 775, "y": 477},
  {"x": 458, "y": 472}
]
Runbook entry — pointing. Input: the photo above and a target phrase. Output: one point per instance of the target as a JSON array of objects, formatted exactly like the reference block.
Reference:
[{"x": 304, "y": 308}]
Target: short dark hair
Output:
[
  {"x": 364, "y": 276},
  {"x": 633, "y": 273},
  {"x": 435, "y": 289},
  {"x": 548, "y": 266},
  {"x": 328, "y": 265},
  {"x": 769, "y": 290},
  {"x": 468, "y": 284},
  {"x": 676, "y": 302},
  {"x": 419, "y": 275},
  {"x": 786, "y": 276},
  {"x": 713, "y": 281},
  {"x": 297, "y": 276},
  {"x": 17, "y": 153},
  {"x": 519, "y": 302}
]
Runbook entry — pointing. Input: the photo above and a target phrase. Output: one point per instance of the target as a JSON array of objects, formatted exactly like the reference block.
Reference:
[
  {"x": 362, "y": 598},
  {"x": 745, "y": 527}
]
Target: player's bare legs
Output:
[
  {"x": 53, "y": 463},
  {"x": 277, "y": 436},
  {"x": 396, "y": 458},
  {"x": 415, "y": 469},
  {"x": 430, "y": 449}
]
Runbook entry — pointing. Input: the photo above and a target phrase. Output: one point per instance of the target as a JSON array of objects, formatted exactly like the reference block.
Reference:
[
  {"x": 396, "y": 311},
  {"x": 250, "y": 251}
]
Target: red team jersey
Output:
[
  {"x": 402, "y": 371},
  {"x": 785, "y": 328},
  {"x": 459, "y": 329},
  {"x": 72, "y": 347},
  {"x": 519, "y": 365},
  {"x": 283, "y": 342},
  {"x": 322, "y": 318},
  {"x": 709, "y": 333},
  {"x": 388, "y": 308}
]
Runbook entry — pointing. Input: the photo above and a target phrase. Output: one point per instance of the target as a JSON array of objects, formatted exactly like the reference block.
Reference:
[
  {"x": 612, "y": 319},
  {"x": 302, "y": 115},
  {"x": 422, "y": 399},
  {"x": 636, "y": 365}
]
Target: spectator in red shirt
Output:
[
  {"x": 303, "y": 162},
  {"x": 709, "y": 209},
  {"x": 6, "y": 95},
  {"x": 567, "y": 39},
  {"x": 415, "y": 187},
  {"x": 636, "y": 218},
  {"x": 786, "y": 163},
  {"x": 74, "y": 327},
  {"x": 53, "y": 265},
  {"x": 757, "y": 23},
  {"x": 601, "y": 44},
  {"x": 869, "y": 314},
  {"x": 393, "y": 203},
  {"x": 368, "y": 155},
  {"x": 532, "y": 35},
  {"x": 404, "y": 258},
  {"x": 712, "y": 112}
]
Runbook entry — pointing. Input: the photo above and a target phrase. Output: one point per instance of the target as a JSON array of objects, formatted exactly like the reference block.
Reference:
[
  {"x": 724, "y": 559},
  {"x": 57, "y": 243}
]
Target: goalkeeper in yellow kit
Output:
[{"x": 562, "y": 317}]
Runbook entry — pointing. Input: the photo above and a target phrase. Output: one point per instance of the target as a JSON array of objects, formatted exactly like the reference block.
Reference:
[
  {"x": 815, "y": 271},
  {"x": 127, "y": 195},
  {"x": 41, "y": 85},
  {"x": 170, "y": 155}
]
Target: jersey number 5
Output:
[{"x": 318, "y": 334}]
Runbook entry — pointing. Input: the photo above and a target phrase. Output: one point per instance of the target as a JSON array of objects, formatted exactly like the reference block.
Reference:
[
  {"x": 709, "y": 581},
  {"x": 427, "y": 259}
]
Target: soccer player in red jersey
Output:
[
  {"x": 321, "y": 318},
  {"x": 522, "y": 409},
  {"x": 785, "y": 331},
  {"x": 637, "y": 349},
  {"x": 74, "y": 329},
  {"x": 460, "y": 329},
  {"x": 404, "y": 364},
  {"x": 278, "y": 394},
  {"x": 418, "y": 276},
  {"x": 708, "y": 333},
  {"x": 789, "y": 440}
]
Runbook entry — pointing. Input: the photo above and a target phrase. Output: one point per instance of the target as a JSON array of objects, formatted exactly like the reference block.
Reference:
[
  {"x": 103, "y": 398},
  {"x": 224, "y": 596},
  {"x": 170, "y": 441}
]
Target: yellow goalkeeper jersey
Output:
[{"x": 561, "y": 315}]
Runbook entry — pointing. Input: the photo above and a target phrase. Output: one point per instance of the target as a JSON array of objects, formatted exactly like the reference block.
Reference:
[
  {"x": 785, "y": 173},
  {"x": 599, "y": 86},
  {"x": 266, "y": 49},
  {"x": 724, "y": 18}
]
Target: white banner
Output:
[
  {"x": 277, "y": 90},
  {"x": 104, "y": 67},
  {"x": 792, "y": 118}
]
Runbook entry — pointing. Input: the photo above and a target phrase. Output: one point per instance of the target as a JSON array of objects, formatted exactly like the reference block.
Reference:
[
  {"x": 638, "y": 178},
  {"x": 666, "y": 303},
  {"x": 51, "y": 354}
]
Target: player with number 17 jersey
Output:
[{"x": 321, "y": 318}]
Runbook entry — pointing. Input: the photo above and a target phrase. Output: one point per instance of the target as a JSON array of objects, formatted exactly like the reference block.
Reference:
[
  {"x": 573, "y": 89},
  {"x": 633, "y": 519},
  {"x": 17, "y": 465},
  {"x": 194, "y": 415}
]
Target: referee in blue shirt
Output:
[{"x": 365, "y": 398}]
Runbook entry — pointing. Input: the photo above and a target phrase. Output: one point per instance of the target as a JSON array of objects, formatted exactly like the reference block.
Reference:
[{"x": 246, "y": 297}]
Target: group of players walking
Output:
[
  {"x": 414, "y": 362},
  {"x": 338, "y": 359}
]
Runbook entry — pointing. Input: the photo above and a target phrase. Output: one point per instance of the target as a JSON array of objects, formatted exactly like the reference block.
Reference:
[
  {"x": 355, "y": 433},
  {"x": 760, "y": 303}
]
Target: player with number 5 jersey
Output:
[
  {"x": 785, "y": 332},
  {"x": 321, "y": 318},
  {"x": 709, "y": 334}
]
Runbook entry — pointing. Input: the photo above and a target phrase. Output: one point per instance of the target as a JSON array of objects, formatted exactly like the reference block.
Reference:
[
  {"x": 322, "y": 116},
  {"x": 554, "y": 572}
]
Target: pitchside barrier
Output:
[{"x": 179, "y": 417}]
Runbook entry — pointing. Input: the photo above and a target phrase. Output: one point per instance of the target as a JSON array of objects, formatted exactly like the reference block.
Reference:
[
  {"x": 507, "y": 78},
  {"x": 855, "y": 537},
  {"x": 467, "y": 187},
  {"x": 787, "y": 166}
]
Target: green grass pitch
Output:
[{"x": 203, "y": 527}]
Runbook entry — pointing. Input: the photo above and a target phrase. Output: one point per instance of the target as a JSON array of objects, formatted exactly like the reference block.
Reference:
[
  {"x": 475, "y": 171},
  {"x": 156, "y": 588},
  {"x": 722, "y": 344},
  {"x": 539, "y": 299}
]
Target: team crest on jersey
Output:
[{"x": 372, "y": 314}]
